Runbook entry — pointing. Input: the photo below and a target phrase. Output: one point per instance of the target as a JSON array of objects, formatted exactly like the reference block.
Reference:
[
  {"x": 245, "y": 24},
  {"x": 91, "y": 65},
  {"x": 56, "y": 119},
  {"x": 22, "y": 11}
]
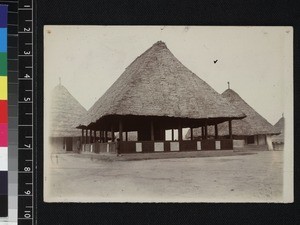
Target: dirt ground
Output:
[{"x": 254, "y": 177}]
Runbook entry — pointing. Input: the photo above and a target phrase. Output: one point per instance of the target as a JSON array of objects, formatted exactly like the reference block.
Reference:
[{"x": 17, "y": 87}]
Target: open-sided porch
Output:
[{"x": 151, "y": 135}]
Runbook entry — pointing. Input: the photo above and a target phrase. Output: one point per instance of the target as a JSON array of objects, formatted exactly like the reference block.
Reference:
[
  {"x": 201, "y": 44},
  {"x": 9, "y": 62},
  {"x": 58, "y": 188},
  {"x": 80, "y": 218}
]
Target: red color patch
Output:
[
  {"x": 3, "y": 135},
  {"x": 3, "y": 112}
]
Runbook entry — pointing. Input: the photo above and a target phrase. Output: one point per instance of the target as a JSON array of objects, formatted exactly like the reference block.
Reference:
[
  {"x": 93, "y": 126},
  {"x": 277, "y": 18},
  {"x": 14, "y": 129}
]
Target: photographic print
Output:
[{"x": 168, "y": 114}]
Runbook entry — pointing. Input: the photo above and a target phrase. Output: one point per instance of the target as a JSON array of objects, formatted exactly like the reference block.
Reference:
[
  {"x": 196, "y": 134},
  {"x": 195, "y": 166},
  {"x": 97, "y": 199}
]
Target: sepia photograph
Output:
[{"x": 168, "y": 114}]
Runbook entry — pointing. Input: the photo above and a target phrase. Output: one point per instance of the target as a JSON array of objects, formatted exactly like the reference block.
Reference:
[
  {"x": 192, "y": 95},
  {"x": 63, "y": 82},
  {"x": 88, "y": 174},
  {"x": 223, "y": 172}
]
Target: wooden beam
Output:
[
  {"x": 105, "y": 136},
  {"x": 112, "y": 133},
  {"x": 202, "y": 132},
  {"x": 230, "y": 129},
  {"x": 121, "y": 130},
  {"x": 86, "y": 136},
  {"x": 179, "y": 131},
  {"x": 192, "y": 135},
  {"x": 91, "y": 136},
  {"x": 205, "y": 130},
  {"x": 82, "y": 136},
  {"x": 216, "y": 131},
  {"x": 126, "y": 135},
  {"x": 100, "y": 136},
  {"x": 172, "y": 134},
  {"x": 152, "y": 130},
  {"x": 95, "y": 136}
]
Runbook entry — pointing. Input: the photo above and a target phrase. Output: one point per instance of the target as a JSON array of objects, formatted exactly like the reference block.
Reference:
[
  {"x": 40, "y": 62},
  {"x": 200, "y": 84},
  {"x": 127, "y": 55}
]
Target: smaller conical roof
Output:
[
  {"x": 65, "y": 112},
  {"x": 252, "y": 124},
  {"x": 279, "y": 126}
]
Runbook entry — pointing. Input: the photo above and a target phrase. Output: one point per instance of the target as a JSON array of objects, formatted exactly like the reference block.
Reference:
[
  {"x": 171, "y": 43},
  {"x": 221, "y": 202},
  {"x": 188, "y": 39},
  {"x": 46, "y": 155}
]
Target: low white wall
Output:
[{"x": 238, "y": 143}]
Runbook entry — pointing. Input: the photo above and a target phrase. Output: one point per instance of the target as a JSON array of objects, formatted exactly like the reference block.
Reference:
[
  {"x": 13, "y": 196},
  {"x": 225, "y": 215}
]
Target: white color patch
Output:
[
  {"x": 138, "y": 147},
  {"x": 158, "y": 146},
  {"x": 199, "y": 145},
  {"x": 3, "y": 159},
  {"x": 174, "y": 146},
  {"x": 218, "y": 145}
]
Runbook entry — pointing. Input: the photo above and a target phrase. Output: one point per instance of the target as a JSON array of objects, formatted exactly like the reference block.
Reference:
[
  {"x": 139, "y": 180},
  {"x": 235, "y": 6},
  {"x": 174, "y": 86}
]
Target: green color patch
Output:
[{"x": 3, "y": 64}]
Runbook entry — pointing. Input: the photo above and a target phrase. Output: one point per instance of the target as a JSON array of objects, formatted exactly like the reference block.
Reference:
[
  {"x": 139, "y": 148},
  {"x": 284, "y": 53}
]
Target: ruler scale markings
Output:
[{"x": 25, "y": 79}]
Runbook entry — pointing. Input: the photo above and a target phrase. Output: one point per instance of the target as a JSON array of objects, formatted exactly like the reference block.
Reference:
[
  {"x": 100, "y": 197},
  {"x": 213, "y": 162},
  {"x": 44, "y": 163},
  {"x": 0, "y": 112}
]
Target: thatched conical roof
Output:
[
  {"x": 253, "y": 124},
  {"x": 65, "y": 113},
  {"x": 279, "y": 126},
  {"x": 157, "y": 84}
]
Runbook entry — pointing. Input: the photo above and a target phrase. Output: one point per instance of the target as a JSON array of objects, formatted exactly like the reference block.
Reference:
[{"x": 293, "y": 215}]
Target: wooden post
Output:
[
  {"x": 172, "y": 134},
  {"x": 112, "y": 134},
  {"x": 91, "y": 136},
  {"x": 105, "y": 136},
  {"x": 230, "y": 129},
  {"x": 120, "y": 130},
  {"x": 126, "y": 135},
  {"x": 205, "y": 130},
  {"x": 179, "y": 131},
  {"x": 216, "y": 131},
  {"x": 202, "y": 132},
  {"x": 152, "y": 130},
  {"x": 191, "y": 129},
  {"x": 82, "y": 136},
  {"x": 95, "y": 136},
  {"x": 86, "y": 136}
]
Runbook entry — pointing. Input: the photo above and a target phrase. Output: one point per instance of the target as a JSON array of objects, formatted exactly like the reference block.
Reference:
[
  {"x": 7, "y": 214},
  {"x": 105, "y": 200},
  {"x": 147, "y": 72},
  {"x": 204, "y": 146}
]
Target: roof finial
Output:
[
  {"x": 59, "y": 80},
  {"x": 228, "y": 84}
]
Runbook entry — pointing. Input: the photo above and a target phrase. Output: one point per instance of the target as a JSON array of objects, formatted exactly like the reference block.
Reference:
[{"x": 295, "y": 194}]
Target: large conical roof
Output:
[
  {"x": 65, "y": 113},
  {"x": 158, "y": 84},
  {"x": 253, "y": 124}
]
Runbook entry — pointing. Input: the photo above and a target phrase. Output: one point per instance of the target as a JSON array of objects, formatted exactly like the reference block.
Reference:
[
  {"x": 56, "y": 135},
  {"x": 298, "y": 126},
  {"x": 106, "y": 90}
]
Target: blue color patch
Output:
[
  {"x": 3, "y": 39},
  {"x": 3, "y": 15}
]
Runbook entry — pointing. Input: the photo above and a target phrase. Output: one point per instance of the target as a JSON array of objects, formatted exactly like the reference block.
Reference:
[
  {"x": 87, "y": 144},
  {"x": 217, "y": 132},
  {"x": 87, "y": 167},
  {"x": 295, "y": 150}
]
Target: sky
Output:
[{"x": 257, "y": 61}]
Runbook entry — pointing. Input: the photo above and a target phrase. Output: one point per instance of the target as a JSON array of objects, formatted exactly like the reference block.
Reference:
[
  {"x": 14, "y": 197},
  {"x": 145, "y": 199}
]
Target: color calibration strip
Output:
[{"x": 3, "y": 113}]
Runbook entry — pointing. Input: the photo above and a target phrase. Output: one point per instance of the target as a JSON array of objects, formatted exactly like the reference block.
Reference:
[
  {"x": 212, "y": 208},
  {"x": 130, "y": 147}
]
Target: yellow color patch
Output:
[{"x": 3, "y": 88}]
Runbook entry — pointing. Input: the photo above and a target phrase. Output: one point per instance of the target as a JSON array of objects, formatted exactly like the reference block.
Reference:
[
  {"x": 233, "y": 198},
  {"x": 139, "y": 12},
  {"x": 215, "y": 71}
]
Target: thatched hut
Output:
[
  {"x": 252, "y": 130},
  {"x": 278, "y": 140},
  {"x": 65, "y": 113},
  {"x": 155, "y": 93}
]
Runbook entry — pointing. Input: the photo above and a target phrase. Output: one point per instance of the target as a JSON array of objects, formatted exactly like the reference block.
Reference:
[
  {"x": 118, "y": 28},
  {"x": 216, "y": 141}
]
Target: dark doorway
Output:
[
  {"x": 69, "y": 144},
  {"x": 250, "y": 140}
]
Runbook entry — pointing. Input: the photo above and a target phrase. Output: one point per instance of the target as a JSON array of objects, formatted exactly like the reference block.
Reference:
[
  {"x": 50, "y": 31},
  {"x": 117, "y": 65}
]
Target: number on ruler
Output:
[
  {"x": 27, "y": 53},
  {"x": 26, "y": 29},
  {"x": 27, "y": 214},
  {"x": 27, "y": 146},
  {"x": 27, "y": 76},
  {"x": 28, "y": 192},
  {"x": 27, "y": 99},
  {"x": 27, "y": 169}
]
